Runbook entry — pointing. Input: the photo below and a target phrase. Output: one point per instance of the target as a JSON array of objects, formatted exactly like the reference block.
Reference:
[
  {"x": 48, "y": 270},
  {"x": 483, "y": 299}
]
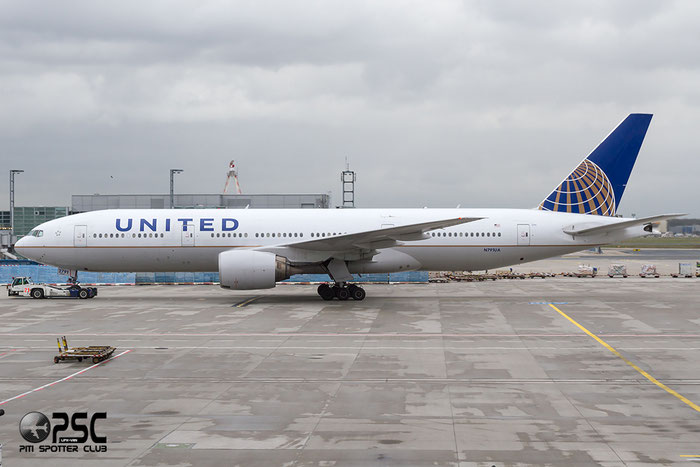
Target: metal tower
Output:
[
  {"x": 232, "y": 173},
  {"x": 12, "y": 203},
  {"x": 348, "y": 178},
  {"x": 172, "y": 186}
]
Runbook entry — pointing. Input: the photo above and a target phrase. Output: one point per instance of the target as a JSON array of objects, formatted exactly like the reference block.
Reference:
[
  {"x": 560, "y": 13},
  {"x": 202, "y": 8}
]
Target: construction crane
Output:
[{"x": 232, "y": 173}]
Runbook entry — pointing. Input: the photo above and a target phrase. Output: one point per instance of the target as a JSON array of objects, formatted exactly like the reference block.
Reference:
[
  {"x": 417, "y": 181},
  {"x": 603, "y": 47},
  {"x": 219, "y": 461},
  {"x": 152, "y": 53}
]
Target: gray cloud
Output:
[{"x": 482, "y": 103}]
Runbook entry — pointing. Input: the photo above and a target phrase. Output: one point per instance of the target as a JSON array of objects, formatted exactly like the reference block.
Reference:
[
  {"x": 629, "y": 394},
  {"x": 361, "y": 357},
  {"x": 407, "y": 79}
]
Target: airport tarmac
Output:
[{"x": 555, "y": 371}]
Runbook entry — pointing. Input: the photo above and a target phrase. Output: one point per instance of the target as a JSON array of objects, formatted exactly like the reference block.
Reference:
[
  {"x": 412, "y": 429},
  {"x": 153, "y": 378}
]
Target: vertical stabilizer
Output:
[{"x": 597, "y": 184}]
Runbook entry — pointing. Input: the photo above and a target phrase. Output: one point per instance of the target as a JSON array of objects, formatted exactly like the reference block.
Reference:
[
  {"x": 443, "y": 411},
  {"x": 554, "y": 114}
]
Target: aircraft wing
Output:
[
  {"x": 587, "y": 229},
  {"x": 380, "y": 238}
]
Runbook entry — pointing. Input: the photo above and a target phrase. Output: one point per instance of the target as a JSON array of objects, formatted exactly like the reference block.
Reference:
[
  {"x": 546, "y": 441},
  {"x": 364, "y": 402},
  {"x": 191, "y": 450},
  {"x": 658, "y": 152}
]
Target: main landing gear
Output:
[{"x": 341, "y": 292}]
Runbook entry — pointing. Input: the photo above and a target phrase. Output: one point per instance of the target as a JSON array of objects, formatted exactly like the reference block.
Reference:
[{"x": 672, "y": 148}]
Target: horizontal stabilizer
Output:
[{"x": 591, "y": 228}]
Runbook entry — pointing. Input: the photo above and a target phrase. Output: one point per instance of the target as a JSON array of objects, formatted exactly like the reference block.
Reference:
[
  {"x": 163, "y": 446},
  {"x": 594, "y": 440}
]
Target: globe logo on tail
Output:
[{"x": 586, "y": 191}]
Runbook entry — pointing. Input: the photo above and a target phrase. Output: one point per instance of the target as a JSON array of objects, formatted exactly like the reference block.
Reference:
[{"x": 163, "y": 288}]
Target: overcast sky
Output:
[{"x": 436, "y": 103}]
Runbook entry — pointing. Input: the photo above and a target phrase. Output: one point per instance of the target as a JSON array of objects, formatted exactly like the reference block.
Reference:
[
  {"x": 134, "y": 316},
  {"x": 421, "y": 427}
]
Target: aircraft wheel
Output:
[
  {"x": 342, "y": 293},
  {"x": 325, "y": 291},
  {"x": 357, "y": 293}
]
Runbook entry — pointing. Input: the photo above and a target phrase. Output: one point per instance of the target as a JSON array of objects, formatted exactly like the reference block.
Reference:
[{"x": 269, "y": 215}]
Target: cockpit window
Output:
[
  {"x": 36, "y": 233},
  {"x": 39, "y": 233}
]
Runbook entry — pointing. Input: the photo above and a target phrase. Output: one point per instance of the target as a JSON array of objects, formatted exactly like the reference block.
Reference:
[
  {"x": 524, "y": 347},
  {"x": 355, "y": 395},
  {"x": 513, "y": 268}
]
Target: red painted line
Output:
[
  {"x": 19, "y": 396},
  {"x": 7, "y": 354}
]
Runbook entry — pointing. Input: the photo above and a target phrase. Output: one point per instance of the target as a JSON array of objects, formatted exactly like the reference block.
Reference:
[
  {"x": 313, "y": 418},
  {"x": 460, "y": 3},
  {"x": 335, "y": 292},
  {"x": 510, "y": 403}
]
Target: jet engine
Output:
[{"x": 246, "y": 269}]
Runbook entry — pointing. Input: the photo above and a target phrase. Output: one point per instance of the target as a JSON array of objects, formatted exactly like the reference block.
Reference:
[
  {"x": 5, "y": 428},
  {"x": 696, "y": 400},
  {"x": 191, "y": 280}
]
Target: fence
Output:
[{"x": 50, "y": 275}]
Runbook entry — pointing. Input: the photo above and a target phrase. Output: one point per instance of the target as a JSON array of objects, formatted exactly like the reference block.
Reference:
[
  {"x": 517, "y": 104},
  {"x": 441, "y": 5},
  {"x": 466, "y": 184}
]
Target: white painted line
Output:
[
  {"x": 332, "y": 334},
  {"x": 19, "y": 396}
]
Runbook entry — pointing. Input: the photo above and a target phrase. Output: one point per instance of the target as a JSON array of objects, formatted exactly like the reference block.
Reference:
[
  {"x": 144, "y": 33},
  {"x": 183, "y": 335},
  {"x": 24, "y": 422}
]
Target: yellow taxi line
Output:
[{"x": 618, "y": 354}]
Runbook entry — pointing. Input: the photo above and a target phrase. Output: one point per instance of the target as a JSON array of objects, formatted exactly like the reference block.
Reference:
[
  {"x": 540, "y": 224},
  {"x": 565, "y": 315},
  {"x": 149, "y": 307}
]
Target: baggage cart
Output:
[
  {"x": 617, "y": 270},
  {"x": 649, "y": 270},
  {"x": 93, "y": 353},
  {"x": 586, "y": 270}
]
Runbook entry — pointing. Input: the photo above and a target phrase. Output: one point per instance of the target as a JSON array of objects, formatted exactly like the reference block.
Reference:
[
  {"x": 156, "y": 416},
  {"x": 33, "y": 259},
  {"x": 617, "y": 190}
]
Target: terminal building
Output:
[
  {"x": 85, "y": 203},
  {"x": 28, "y": 217}
]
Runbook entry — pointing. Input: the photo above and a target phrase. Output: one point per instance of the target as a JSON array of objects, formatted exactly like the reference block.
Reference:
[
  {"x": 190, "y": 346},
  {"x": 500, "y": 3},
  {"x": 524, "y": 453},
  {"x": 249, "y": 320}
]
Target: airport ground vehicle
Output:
[{"x": 24, "y": 287}]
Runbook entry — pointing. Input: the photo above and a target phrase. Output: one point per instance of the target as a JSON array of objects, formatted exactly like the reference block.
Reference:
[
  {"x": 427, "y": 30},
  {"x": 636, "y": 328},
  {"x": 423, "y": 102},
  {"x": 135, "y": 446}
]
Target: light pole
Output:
[
  {"x": 12, "y": 203},
  {"x": 172, "y": 186}
]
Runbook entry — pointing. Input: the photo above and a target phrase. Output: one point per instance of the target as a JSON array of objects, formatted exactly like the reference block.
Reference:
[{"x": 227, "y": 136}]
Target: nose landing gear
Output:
[{"x": 341, "y": 292}]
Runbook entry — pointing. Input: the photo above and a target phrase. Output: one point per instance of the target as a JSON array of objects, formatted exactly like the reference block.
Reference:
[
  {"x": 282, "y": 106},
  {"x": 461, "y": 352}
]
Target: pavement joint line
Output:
[
  {"x": 334, "y": 334},
  {"x": 684, "y": 399},
  {"x": 66, "y": 378}
]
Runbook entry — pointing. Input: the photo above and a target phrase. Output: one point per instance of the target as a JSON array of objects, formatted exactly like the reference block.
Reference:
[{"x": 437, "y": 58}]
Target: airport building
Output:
[
  {"x": 85, "y": 203},
  {"x": 28, "y": 217}
]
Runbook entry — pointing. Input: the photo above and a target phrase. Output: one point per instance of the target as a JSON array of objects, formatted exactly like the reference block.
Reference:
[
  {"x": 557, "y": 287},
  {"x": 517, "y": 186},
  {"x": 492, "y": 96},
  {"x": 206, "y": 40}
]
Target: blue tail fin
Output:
[{"x": 597, "y": 184}]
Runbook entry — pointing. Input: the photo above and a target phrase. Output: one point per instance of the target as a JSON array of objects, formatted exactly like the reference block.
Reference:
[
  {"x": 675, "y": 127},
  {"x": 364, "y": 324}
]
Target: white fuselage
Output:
[{"x": 192, "y": 239}]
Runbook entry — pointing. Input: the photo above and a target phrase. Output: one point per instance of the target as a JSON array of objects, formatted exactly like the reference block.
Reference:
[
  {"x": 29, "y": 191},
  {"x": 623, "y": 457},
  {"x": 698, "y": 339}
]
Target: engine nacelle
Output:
[{"x": 246, "y": 269}]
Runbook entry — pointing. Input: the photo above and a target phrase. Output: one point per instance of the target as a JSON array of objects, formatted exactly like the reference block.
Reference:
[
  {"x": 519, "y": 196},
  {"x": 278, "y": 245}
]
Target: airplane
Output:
[
  {"x": 255, "y": 248},
  {"x": 35, "y": 429}
]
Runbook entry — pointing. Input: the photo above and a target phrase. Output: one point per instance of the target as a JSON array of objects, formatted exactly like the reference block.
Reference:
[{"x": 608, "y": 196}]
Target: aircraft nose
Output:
[{"x": 20, "y": 245}]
